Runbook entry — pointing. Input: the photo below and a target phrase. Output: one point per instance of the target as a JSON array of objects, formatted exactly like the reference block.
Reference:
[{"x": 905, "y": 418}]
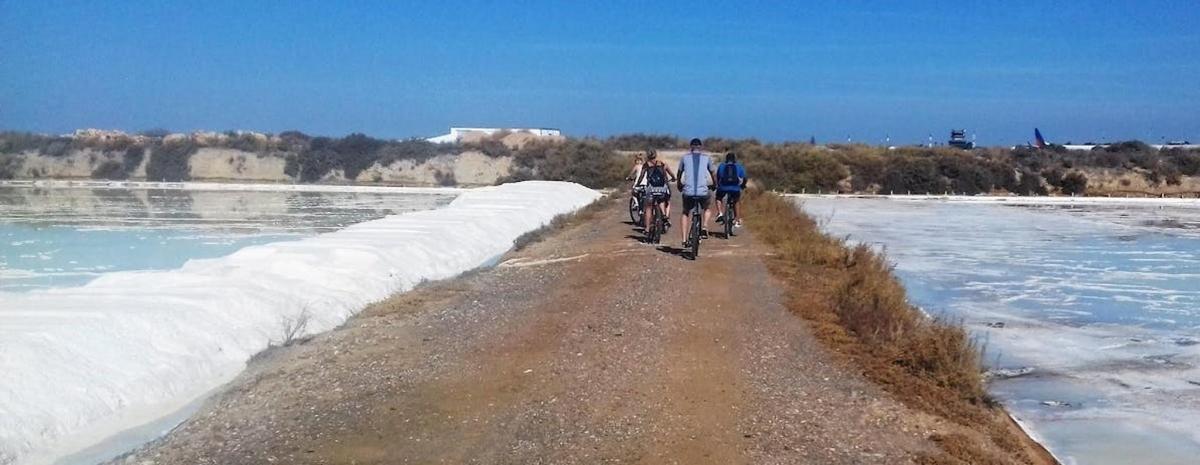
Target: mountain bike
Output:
[
  {"x": 635, "y": 205},
  {"x": 657, "y": 226},
  {"x": 697, "y": 214},
  {"x": 730, "y": 216}
]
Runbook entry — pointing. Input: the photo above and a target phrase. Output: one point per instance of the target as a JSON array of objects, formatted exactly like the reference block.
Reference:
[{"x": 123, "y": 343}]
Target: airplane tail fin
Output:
[{"x": 1038, "y": 139}]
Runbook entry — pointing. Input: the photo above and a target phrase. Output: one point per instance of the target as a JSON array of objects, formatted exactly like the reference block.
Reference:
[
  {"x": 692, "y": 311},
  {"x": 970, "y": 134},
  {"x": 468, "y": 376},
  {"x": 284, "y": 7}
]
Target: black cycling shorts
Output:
[
  {"x": 689, "y": 202},
  {"x": 734, "y": 196}
]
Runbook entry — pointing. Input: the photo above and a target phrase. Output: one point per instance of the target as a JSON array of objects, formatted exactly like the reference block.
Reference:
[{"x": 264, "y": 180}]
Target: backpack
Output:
[
  {"x": 729, "y": 175},
  {"x": 656, "y": 177}
]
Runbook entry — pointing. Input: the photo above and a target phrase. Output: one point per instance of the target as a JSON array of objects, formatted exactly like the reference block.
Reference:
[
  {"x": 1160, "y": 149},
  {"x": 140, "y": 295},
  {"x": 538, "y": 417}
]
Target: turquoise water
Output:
[{"x": 61, "y": 237}]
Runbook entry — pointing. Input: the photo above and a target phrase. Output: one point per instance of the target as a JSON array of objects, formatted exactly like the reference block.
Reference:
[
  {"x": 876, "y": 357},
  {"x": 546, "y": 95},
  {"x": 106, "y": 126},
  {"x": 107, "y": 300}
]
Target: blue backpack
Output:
[{"x": 729, "y": 175}]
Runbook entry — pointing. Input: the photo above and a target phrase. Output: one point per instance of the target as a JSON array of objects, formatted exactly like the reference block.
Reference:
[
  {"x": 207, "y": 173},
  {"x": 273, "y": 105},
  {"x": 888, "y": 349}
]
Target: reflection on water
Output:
[{"x": 65, "y": 237}]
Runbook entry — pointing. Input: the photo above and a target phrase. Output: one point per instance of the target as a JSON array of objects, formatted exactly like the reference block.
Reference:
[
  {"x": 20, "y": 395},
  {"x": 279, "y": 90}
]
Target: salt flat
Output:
[{"x": 1098, "y": 296}]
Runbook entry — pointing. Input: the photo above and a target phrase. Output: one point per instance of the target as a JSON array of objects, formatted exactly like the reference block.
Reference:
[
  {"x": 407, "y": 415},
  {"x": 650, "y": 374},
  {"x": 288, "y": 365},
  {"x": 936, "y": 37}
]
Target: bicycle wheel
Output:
[
  {"x": 695, "y": 234},
  {"x": 658, "y": 225},
  {"x": 729, "y": 217},
  {"x": 635, "y": 210}
]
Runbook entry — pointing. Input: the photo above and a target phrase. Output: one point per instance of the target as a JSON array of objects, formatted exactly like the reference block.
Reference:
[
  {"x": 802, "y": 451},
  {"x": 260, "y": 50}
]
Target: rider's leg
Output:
[
  {"x": 685, "y": 220},
  {"x": 721, "y": 204},
  {"x": 707, "y": 219},
  {"x": 737, "y": 208},
  {"x": 646, "y": 215}
]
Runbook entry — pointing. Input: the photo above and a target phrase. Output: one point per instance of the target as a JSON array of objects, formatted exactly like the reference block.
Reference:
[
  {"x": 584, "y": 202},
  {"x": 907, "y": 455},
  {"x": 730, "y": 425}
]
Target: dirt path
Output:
[{"x": 588, "y": 347}]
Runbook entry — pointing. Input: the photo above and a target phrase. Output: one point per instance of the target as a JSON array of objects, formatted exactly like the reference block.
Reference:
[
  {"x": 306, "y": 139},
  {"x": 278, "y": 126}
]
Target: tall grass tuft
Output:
[{"x": 857, "y": 307}]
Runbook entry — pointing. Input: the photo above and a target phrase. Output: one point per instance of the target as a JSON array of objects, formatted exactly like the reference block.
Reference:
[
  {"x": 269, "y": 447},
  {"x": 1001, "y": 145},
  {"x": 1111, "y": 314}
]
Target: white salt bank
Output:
[{"x": 82, "y": 364}]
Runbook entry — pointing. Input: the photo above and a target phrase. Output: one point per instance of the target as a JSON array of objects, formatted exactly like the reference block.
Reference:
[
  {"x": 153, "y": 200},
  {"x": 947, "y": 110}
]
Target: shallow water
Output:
[
  {"x": 61, "y": 237},
  {"x": 1101, "y": 300}
]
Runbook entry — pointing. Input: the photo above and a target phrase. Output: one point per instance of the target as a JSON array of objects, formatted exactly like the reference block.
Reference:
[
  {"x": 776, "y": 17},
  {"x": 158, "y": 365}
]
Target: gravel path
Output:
[{"x": 588, "y": 347}]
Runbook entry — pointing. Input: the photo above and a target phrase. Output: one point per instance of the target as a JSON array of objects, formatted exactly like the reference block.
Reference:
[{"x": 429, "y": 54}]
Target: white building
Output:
[{"x": 457, "y": 134}]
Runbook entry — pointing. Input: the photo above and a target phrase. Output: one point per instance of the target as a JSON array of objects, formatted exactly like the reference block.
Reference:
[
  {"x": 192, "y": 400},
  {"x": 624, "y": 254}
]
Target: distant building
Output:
[
  {"x": 457, "y": 134},
  {"x": 958, "y": 139}
]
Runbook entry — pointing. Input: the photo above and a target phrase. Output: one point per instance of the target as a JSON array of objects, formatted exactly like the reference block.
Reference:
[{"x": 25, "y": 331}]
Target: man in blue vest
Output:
[
  {"x": 731, "y": 179},
  {"x": 696, "y": 179}
]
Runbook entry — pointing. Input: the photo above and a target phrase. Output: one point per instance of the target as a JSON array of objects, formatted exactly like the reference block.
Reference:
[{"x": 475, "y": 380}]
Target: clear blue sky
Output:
[{"x": 1078, "y": 70}]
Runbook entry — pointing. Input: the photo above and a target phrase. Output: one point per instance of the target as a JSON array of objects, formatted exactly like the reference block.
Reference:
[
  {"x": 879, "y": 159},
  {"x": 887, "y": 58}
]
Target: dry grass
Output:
[
  {"x": 859, "y": 309},
  {"x": 561, "y": 222}
]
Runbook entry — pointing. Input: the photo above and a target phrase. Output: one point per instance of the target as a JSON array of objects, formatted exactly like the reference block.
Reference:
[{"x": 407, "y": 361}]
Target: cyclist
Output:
[
  {"x": 638, "y": 164},
  {"x": 731, "y": 179},
  {"x": 638, "y": 190},
  {"x": 696, "y": 178},
  {"x": 654, "y": 181}
]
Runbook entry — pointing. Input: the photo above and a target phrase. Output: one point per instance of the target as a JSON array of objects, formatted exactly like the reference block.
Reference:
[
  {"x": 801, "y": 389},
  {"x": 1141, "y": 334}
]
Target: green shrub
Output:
[
  {"x": 867, "y": 170},
  {"x": 965, "y": 173},
  {"x": 132, "y": 159},
  {"x": 492, "y": 146},
  {"x": 916, "y": 175},
  {"x": 1187, "y": 162},
  {"x": 354, "y": 153},
  {"x": 158, "y": 133},
  {"x": 293, "y": 141},
  {"x": 641, "y": 142},
  {"x": 417, "y": 150},
  {"x": 1028, "y": 183},
  {"x": 314, "y": 164},
  {"x": 586, "y": 162},
  {"x": 721, "y": 144},
  {"x": 792, "y": 167},
  {"x": 1074, "y": 183},
  {"x": 17, "y": 142},
  {"x": 1053, "y": 177},
  {"x": 169, "y": 161},
  {"x": 445, "y": 178},
  {"x": 314, "y": 158},
  {"x": 109, "y": 169},
  {"x": 10, "y": 165},
  {"x": 1129, "y": 146}
]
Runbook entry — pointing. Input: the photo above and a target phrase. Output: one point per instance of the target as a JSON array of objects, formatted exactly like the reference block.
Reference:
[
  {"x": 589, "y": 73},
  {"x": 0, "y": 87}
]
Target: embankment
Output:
[
  {"x": 466, "y": 168},
  {"x": 143, "y": 344},
  {"x": 588, "y": 346},
  {"x": 859, "y": 309}
]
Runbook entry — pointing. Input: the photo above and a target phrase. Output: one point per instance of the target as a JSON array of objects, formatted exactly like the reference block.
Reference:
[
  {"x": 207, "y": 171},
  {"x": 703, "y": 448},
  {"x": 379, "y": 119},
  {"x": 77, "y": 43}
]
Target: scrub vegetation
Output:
[
  {"x": 1128, "y": 167},
  {"x": 859, "y": 309},
  {"x": 585, "y": 161},
  {"x": 169, "y": 161},
  {"x": 851, "y": 168}
]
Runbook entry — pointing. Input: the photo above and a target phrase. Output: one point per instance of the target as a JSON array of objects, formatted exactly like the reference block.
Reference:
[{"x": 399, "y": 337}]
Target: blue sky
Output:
[{"x": 772, "y": 70}]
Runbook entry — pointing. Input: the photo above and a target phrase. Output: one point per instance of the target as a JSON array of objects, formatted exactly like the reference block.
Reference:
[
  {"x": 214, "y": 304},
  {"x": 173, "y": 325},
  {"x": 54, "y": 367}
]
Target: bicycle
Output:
[
  {"x": 657, "y": 226},
  {"x": 730, "y": 216},
  {"x": 697, "y": 214},
  {"x": 635, "y": 205}
]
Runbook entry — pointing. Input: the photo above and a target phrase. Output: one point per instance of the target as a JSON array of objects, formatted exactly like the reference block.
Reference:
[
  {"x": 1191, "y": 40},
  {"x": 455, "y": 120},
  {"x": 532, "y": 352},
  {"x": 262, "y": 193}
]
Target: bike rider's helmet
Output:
[
  {"x": 730, "y": 157},
  {"x": 696, "y": 142},
  {"x": 651, "y": 154}
]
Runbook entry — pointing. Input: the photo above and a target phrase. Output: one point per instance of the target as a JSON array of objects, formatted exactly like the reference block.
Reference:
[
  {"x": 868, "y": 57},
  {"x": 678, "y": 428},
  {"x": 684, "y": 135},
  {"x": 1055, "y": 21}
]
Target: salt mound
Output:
[{"x": 80, "y": 364}]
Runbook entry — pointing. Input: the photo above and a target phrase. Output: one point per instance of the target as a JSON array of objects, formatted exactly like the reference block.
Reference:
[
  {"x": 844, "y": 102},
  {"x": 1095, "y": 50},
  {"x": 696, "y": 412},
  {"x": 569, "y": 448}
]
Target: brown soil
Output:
[{"x": 584, "y": 347}]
